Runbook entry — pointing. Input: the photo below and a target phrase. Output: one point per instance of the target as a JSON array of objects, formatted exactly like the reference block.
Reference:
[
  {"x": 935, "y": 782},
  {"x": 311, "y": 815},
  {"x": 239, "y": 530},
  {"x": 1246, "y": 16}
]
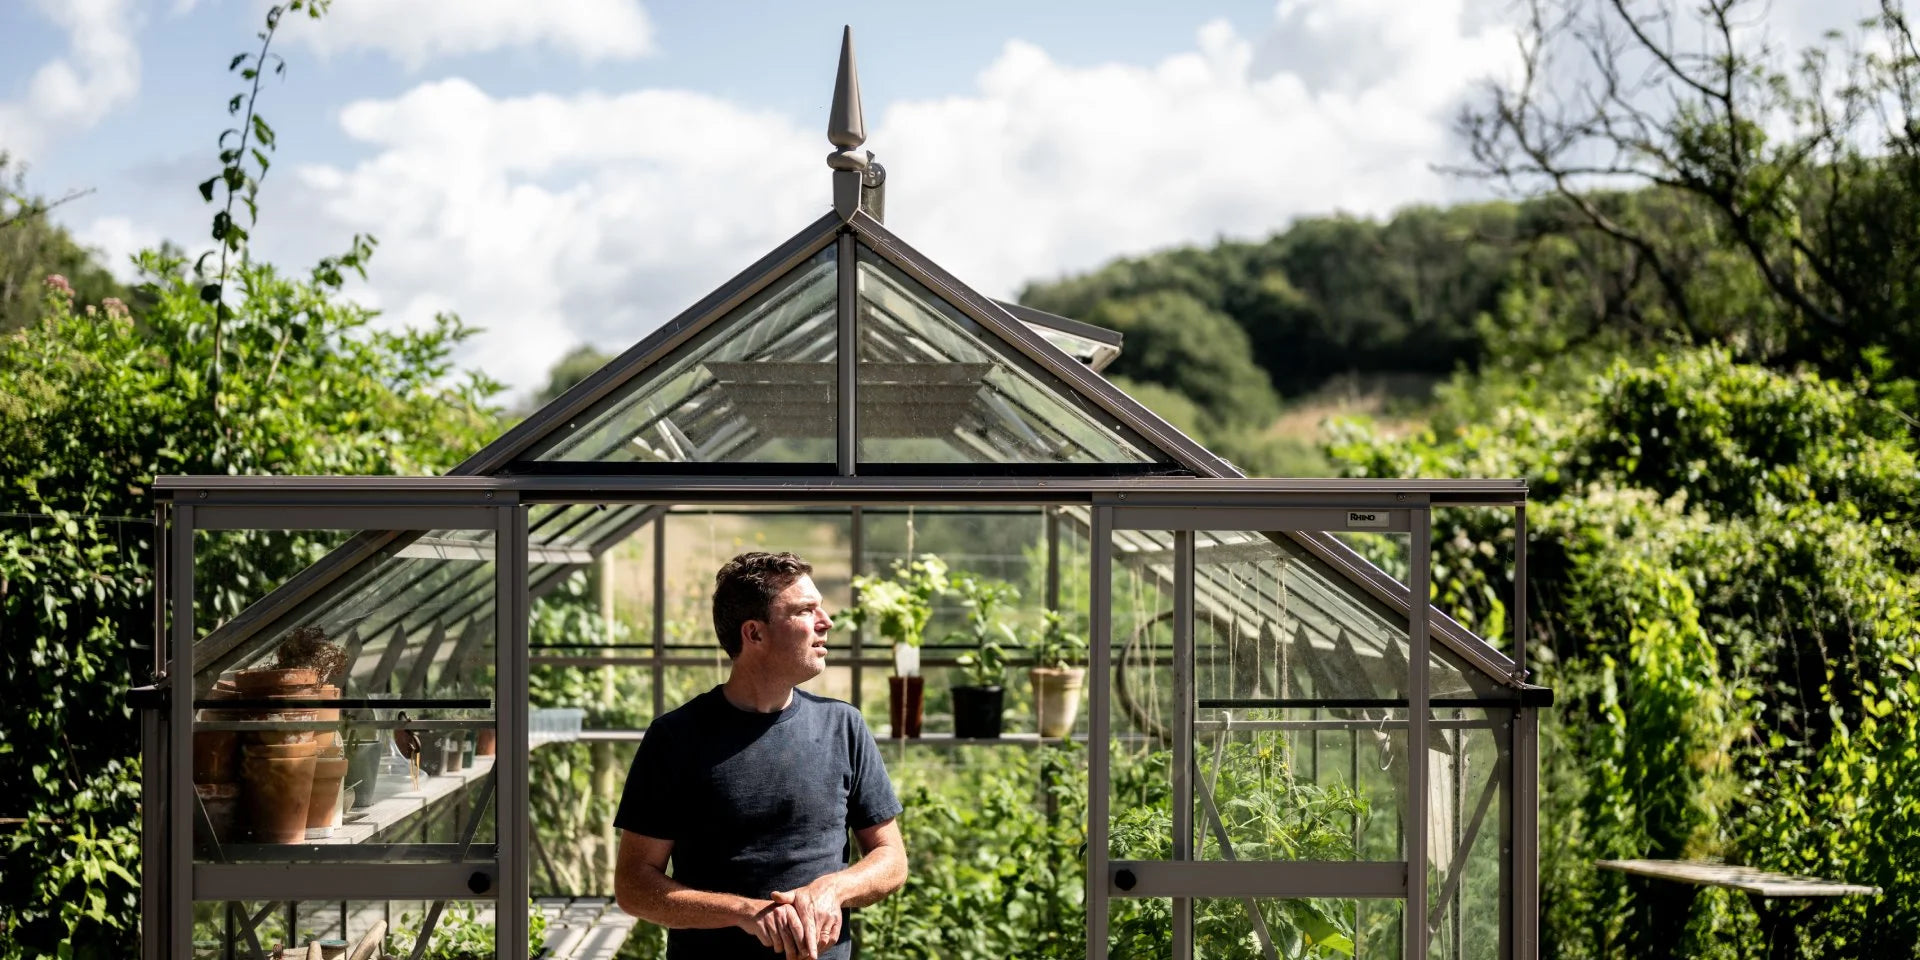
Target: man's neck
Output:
[{"x": 756, "y": 694}]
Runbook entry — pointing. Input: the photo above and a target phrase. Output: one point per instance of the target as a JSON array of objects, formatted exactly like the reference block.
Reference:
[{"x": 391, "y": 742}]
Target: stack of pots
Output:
[
  {"x": 216, "y": 765},
  {"x": 278, "y": 766},
  {"x": 329, "y": 771}
]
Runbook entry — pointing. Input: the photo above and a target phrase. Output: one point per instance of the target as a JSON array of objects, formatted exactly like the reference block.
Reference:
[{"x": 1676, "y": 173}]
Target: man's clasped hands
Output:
[{"x": 800, "y": 922}]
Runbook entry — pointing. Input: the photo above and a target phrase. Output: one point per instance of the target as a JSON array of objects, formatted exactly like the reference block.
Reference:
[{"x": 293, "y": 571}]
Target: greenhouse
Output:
[{"x": 1283, "y": 749}]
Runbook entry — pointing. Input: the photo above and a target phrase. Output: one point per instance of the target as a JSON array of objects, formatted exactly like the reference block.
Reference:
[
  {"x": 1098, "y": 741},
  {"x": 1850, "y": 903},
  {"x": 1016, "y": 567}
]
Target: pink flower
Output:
[
  {"x": 116, "y": 307},
  {"x": 59, "y": 284}
]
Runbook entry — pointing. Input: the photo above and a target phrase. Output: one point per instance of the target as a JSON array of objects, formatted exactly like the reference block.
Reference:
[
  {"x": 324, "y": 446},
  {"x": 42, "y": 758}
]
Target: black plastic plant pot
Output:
[{"x": 976, "y": 712}]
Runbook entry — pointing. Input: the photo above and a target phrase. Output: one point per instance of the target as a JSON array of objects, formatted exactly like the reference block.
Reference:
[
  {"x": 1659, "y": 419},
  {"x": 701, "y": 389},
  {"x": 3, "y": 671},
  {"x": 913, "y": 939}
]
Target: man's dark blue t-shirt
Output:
[{"x": 755, "y": 802}]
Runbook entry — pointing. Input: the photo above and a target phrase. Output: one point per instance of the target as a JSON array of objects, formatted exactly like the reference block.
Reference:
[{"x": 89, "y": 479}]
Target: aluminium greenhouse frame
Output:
[
  {"x": 841, "y": 369},
  {"x": 417, "y": 503}
]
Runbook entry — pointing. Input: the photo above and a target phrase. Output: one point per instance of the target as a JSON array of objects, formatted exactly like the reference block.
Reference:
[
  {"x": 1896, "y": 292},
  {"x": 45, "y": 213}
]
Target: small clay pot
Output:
[
  {"x": 329, "y": 714},
  {"x": 281, "y": 751},
  {"x": 1056, "y": 698},
  {"x": 220, "y": 801},
  {"x": 215, "y": 759},
  {"x": 254, "y": 684},
  {"x": 324, "y": 799},
  {"x": 905, "y": 700},
  {"x": 216, "y": 754},
  {"x": 278, "y": 790},
  {"x": 451, "y": 762},
  {"x": 483, "y": 742}
]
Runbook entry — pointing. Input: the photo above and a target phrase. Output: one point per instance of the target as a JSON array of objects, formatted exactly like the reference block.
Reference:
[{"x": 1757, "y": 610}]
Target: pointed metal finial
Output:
[{"x": 846, "y": 128}]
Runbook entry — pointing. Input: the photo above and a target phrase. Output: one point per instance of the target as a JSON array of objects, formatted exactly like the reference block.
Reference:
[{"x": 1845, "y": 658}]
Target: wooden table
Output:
[{"x": 1762, "y": 886}]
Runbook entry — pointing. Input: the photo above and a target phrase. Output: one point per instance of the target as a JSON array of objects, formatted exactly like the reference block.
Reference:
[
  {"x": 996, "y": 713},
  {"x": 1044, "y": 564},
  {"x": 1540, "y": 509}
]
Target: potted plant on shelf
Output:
[
  {"x": 899, "y": 606},
  {"x": 977, "y": 704},
  {"x": 1058, "y": 648}
]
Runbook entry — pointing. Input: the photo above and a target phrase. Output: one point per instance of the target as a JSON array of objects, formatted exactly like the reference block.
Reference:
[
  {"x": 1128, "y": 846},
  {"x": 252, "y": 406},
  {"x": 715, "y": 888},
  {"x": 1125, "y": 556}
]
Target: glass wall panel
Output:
[
  {"x": 234, "y": 568},
  {"x": 1258, "y": 927},
  {"x": 357, "y": 724},
  {"x": 1469, "y": 801},
  {"x": 1140, "y": 795},
  {"x": 757, "y": 386},
  {"x": 1300, "y": 784},
  {"x": 226, "y": 929},
  {"x": 935, "y": 387}
]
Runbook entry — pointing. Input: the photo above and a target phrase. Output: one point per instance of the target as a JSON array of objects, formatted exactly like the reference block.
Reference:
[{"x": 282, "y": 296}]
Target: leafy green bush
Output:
[
  {"x": 95, "y": 402},
  {"x": 1723, "y": 566}
]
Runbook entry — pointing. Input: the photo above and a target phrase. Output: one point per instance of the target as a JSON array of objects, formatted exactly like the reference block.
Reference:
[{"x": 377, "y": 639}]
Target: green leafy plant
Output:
[
  {"x": 460, "y": 934},
  {"x": 900, "y": 605},
  {"x": 1058, "y": 643},
  {"x": 985, "y": 665}
]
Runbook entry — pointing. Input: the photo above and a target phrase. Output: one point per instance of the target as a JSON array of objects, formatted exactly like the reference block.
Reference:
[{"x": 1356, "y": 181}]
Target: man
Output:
[{"x": 750, "y": 789}]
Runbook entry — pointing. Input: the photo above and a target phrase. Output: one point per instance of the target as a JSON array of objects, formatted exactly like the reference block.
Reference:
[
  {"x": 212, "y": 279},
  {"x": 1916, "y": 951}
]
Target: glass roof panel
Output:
[
  {"x": 754, "y": 386},
  {"x": 1304, "y": 630},
  {"x": 1090, "y": 352},
  {"x": 935, "y": 387},
  {"x": 427, "y": 596}
]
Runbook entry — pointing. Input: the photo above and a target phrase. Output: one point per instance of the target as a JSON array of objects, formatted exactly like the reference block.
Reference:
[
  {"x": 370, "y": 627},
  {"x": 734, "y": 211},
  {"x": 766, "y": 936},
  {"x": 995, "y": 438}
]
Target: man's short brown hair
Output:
[{"x": 744, "y": 590}]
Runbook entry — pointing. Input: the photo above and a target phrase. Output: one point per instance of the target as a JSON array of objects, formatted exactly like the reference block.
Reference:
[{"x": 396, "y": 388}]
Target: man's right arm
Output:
[{"x": 642, "y": 888}]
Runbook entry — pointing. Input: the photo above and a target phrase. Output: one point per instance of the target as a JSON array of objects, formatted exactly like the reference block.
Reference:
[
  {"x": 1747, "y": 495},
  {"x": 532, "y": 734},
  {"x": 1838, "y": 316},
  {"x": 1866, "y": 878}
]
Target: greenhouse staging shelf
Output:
[
  {"x": 580, "y": 928},
  {"x": 371, "y": 821}
]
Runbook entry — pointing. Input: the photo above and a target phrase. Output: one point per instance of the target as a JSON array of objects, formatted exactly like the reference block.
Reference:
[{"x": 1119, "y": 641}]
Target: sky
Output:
[{"x": 560, "y": 173}]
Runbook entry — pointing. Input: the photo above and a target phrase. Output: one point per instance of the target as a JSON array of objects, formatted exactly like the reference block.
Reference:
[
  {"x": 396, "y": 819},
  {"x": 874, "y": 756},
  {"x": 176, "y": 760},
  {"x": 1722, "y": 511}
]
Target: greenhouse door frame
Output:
[
  {"x": 1184, "y": 878},
  {"x": 169, "y": 803}
]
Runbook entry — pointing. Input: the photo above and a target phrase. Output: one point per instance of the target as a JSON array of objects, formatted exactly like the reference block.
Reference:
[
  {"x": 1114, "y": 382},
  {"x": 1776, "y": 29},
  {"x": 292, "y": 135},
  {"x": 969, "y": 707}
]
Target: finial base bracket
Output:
[{"x": 846, "y": 193}]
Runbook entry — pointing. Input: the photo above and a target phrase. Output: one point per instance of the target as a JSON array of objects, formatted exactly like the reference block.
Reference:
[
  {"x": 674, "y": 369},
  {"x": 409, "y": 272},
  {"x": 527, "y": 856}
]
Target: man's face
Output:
[{"x": 797, "y": 625}]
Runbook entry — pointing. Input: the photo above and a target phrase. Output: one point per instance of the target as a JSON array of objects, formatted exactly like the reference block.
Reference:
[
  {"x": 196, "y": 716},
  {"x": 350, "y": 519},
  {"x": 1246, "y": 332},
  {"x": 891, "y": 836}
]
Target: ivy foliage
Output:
[{"x": 94, "y": 403}]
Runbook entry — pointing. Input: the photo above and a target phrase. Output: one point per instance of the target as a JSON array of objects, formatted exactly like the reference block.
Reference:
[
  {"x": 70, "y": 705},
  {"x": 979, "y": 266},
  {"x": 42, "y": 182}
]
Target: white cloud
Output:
[
  {"x": 556, "y": 219},
  {"x": 417, "y": 31},
  {"x": 118, "y": 239},
  {"x": 99, "y": 72}
]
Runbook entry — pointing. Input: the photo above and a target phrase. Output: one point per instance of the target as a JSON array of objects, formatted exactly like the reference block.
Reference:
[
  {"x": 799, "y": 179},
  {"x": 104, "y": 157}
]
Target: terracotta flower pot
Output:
[
  {"x": 330, "y": 714},
  {"x": 254, "y": 684},
  {"x": 905, "y": 700},
  {"x": 297, "y": 683},
  {"x": 281, "y": 751},
  {"x": 216, "y": 753},
  {"x": 483, "y": 742},
  {"x": 278, "y": 790},
  {"x": 219, "y": 800},
  {"x": 1056, "y": 698},
  {"x": 324, "y": 799}
]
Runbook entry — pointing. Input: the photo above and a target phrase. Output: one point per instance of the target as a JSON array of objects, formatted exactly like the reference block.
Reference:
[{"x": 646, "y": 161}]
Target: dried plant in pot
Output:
[{"x": 309, "y": 648}]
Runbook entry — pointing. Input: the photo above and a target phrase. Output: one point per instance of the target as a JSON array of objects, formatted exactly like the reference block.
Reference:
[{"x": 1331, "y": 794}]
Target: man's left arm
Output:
[{"x": 881, "y": 871}]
